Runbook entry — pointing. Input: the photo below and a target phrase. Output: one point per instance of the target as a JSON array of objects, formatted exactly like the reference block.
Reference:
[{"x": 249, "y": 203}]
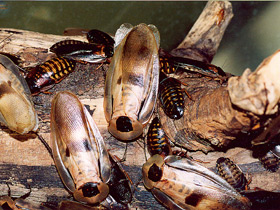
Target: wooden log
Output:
[{"x": 24, "y": 160}]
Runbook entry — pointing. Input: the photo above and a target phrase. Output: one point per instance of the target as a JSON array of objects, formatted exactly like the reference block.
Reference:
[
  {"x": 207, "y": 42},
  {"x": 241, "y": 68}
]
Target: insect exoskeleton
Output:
[
  {"x": 82, "y": 51},
  {"x": 179, "y": 183},
  {"x": 270, "y": 161},
  {"x": 157, "y": 141},
  {"x": 16, "y": 107},
  {"x": 132, "y": 82},
  {"x": 171, "y": 96},
  {"x": 231, "y": 173},
  {"x": 44, "y": 76},
  {"x": 79, "y": 152}
]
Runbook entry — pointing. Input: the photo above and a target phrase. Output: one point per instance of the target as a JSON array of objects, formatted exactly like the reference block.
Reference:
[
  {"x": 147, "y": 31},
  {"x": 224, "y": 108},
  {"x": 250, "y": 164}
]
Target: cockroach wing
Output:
[
  {"x": 63, "y": 171},
  {"x": 123, "y": 30},
  {"x": 16, "y": 107},
  {"x": 108, "y": 99},
  {"x": 150, "y": 101},
  {"x": 166, "y": 200},
  {"x": 156, "y": 33},
  {"x": 188, "y": 165},
  {"x": 104, "y": 160}
]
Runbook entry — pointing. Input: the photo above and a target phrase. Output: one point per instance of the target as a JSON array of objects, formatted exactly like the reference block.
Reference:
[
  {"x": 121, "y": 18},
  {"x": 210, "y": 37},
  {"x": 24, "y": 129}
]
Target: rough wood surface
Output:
[{"x": 24, "y": 160}]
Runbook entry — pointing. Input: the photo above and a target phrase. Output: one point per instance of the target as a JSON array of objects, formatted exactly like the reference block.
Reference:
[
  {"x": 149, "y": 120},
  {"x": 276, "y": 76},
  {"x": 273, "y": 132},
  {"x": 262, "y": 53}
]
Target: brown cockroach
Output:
[
  {"x": 79, "y": 152},
  {"x": 179, "y": 183},
  {"x": 231, "y": 173},
  {"x": 132, "y": 79},
  {"x": 17, "y": 111}
]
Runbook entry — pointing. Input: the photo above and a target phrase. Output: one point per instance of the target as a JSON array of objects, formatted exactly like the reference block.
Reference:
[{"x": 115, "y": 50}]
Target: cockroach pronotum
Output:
[
  {"x": 131, "y": 84},
  {"x": 171, "y": 96},
  {"x": 231, "y": 173},
  {"x": 179, "y": 183},
  {"x": 16, "y": 107},
  {"x": 79, "y": 152},
  {"x": 157, "y": 141},
  {"x": 44, "y": 76}
]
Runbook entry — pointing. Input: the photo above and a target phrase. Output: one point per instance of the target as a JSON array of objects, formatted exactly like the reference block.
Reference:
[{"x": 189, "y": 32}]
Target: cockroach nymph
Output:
[
  {"x": 171, "y": 96},
  {"x": 228, "y": 170},
  {"x": 170, "y": 64},
  {"x": 82, "y": 51},
  {"x": 157, "y": 141},
  {"x": 99, "y": 37},
  {"x": 44, "y": 76},
  {"x": 270, "y": 161}
]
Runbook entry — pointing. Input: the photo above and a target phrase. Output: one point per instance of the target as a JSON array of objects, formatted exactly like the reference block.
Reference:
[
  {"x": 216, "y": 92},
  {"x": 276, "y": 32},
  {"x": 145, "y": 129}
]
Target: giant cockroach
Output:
[
  {"x": 157, "y": 141},
  {"x": 179, "y": 183},
  {"x": 79, "y": 152},
  {"x": 82, "y": 51},
  {"x": 44, "y": 76},
  {"x": 270, "y": 161},
  {"x": 132, "y": 83},
  {"x": 231, "y": 173},
  {"x": 16, "y": 107},
  {"x": 171, "y": 96}
]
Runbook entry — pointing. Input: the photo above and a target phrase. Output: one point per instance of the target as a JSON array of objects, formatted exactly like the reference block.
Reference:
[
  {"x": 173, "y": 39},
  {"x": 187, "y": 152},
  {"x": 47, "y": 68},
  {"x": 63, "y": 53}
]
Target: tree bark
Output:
[{"x": 213, "y": 119}]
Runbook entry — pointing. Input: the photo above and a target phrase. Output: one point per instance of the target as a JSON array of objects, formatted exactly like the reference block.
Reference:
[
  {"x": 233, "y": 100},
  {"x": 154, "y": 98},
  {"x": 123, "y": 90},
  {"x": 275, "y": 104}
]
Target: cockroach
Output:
[
  {"x": 46, "y": 75},
  {"x": 157, "y": 141},
  {"x": 131, "y": 84},
  {"x": 179, "y": 183},
  {"x": 262, "y": 199},
  {"x": 17, "y": 110},
  {"x": 82, "y": 51},
  {"x": 270, "y": 161},
  {"x": 170, "y": 64},
  {"x": 228, "y": 170},
  {"x": 171, "y": 96},
  {"x": 220, "y": 16},
  {"x": 119, "y": 185},
  {"x": 79, "y": 152},
  {"x": 95, "y": 36}
]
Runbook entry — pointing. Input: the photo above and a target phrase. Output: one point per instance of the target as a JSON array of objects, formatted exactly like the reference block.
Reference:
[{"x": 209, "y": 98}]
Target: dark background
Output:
[{"x": 252, "y": 35}]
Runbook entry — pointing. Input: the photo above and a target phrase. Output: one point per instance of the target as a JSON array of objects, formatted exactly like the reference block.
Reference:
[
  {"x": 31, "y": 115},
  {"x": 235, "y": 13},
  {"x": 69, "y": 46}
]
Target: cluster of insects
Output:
[{"x": 136, "y": 78}]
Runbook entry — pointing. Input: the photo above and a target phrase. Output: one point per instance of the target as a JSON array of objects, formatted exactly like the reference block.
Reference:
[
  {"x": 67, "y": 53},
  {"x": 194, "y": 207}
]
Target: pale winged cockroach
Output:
[
  {"x": 79, "y": 152},
  {"x": 46, "y": 75},
  {"x": 179, "y": 183},
  {"x": 231, "y": 173},
  {"x": 85, "y": 167},
  {"x": 157, "y": 141},
  {"x": 171, "y": 96},
  {"x": 16, "y": 107},
  {"x": 132, "y": 79}
]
